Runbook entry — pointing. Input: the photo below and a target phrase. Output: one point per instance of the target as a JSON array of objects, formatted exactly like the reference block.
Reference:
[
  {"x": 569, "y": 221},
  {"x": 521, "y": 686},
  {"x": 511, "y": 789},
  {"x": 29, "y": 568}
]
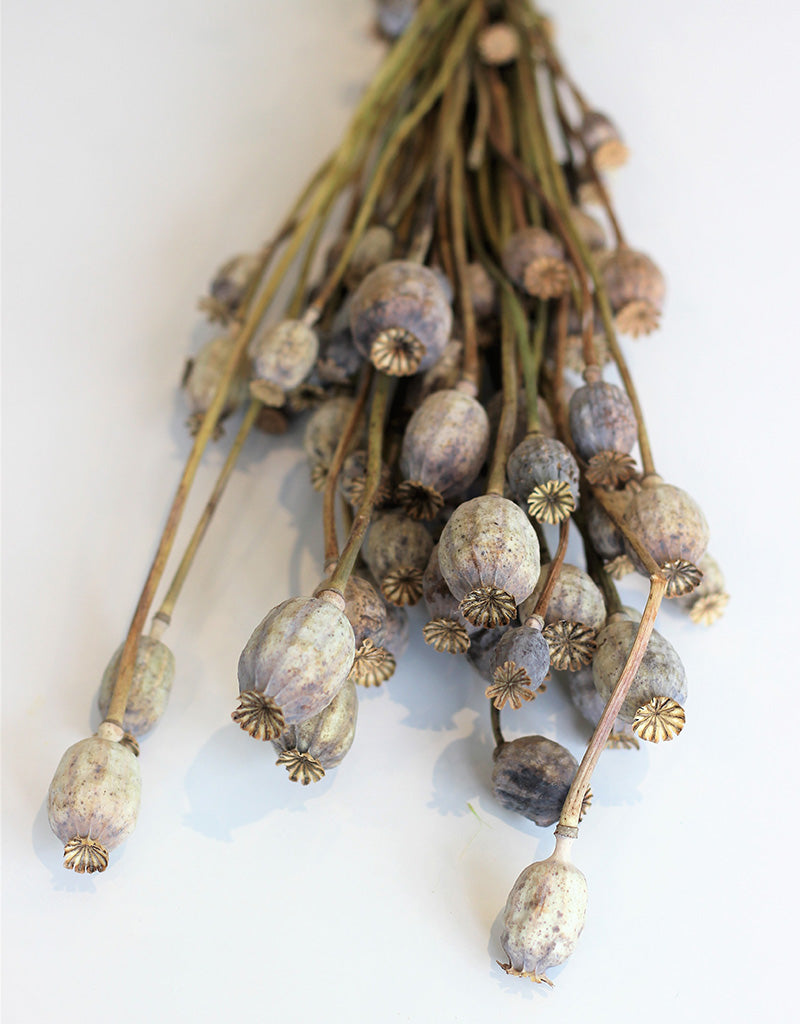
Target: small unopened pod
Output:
[
  {"x": 602, "y": 139},
  {"x": 308, "y": 750},
  {"x": 532, "y": 776},
  {"x": 374, "y": 248},
  {"x": 202, "y": 376},
  {"x": 654, "y": 703},
  {"x": 534, "y": 260},
  {"x": 574, "y": 612},
  {"x": 294, "y": 664},
  {"x": 489, "y": 557},
  {"x": 544, "y": 915},
  {"x": 520, "y": 662},
  {"x": 710, "y": 598},
  {"x": 365, "y": 609},
  {"x": 153, "y": 675},
  {"x": 323, "y": 430},
  {"x": 591, "y": 231},
  {"x": 230, "y": 285},
  {"x": 444, "y": 447},
  {"x": 482, "y": 291},
  {"x": 353, "y": 478},
  {"x": 447, "y": 630},
  {"x": 480, "y": 654},
  {"x": 584, "y": 695},
  {"x": 635, "y": 288},
  {"x": 603, "y": 428},
  {"x": 94, "y": 798},
  {"x": 397, "y": 550},
  {"x": 400, "y": 318},
  {"x": 283, "y": 356},
  {"x": 606, "y": 539},
  {"x": 543, "y": 475}
]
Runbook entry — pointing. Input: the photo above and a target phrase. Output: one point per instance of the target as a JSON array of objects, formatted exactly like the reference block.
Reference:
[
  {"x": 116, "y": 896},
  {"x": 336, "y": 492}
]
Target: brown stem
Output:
[
  {"x": 501, "y": 128},
  {"x": 508, "y": 416},
  {"x": 560, "y": 409},
  {"x": 555, "y": 569},
  {"x": 471, "y": 362},
  {"x": 497, "y": 732},
  {"x": 635, "y": 542}
]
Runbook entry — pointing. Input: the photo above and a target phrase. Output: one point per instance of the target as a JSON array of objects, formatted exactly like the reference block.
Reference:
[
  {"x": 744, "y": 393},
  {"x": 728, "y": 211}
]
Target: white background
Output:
[{"x": 144, "y": 144}]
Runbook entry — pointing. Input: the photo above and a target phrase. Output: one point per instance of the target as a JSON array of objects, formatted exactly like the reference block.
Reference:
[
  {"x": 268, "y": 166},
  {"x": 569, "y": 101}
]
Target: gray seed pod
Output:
[
  {"x": 583, "y": 693},
  {"x": 323, "y": 430},
  {"x": 482, "y": 291},
  {"x": 489, "y": 556},
  {"x": 400, "y": 318},
  {"x": 283, "y": 356},
  {"x": 601, "y": 419},
  {"x": 397, "y": 550},
  {"x": 447, "y": 630},
  {"x": 543, "y": 476},
  {"x": 94, "y": 798},
  {"x": 230, "y": 286},
  {"x": 339, "y": 360},
  {"x": 394, "y": 16},
  {"x": 526, "y": 649},
  {"x": 444, "y": 447},
  {"x": 481, "y": 650},
  {"x": 544, "y": 915},
  {"x": 575, "y": 598},
  {"x": 534, "y": 260},
  {"x": 532, "y": 776},
  {"x": 606, "y": 539},
  {"x": 294, "y": 664},
  {"x": 591, "y": 231},
  {"x": 635, "y": 288},
  {"x": 374, "y": 248},
  {"x": 353, "y": 478},
  {"x": 661, "y": 673},
  {"x": 153, "y": 675},
  {"x": 602, "y": 139},
  {"x": 308, "y": 750},
  {"x": 202, "y": 377},
  {"x": 708, "y": 601},
  {"x": 365, "y": 610}
]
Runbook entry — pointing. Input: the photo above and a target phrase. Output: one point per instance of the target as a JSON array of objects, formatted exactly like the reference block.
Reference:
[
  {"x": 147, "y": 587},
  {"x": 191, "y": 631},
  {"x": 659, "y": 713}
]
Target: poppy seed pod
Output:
[
  {"x": 544, "y": 915},
  {"x": 709, "y": 599},
  {"x": 584, "y": 695},
  {"x": 294, "y": 664},
  {"x": 374, "y": 248},
  {"x": 494, "y": 409},
  {"x": 520, "y": 662},
  {"x": 94, "y": 798},
  {"x": 308, "y": 750},
  {"x": 283, "y": 356},
  {"x": 480, "y": 654},
  {"x": 489, "y": 557},
  {"x": 543, "y": 475},
  {"x": 601, "y": 419},
  {"x": 575, "y": 598},
  {"x": 606, "y": 539},
  {"x": 498, "y": 44},
  {"x": 482, "y": 291},
  {"x": 153, "y": 675},
  {"x": 339, "y": 359},
  {"x": 229, "y": 287},
  {"x": 444, "y": 447},
  {"x": 395, "y": 637},
  {"x": 534, "y": 260},
  {"x": 447, "y": 630},
  {"x": 400, "y": 318},
  {"x": 397, "y": 550},
  {"x": 352, "y": 480},
  {"x": 660, "y": 677},
  {"x": 532, "y": 776},
  {"x": 635, "y": 288},
  {"x": 365, "y": 610},
  {"x": 591, "y": 231},
  {"x": 603, "y": 141},
  {"x": 202, "y": 376},
  {"x": 323, "y": 430}
]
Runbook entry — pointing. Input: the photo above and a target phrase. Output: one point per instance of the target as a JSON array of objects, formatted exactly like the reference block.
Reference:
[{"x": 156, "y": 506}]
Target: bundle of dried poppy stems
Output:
[{"x": 456, "y": 268}]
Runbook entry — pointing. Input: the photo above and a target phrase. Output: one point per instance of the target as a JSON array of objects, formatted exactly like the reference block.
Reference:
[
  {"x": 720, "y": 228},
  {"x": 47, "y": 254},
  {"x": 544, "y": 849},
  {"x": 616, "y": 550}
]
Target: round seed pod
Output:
[
  {"x": 229, "y": 287},
  {"x": 353, "y": 477},
  {"x": 532, "y": 776},
  {"x": 374, "y": 248},
  {"x": 308, "y": 750},
  {"x": 606, "y": 539},
  {"x": 153, "y": 675},
  {"x": 323, "y": 430},
  {"x": 603, "y": 141},
  {"x": 601, "y": 419},
  {"x": 400, "y": 318},
  {"x": 583, "y": 693},
  {"x": 498, "y": 44},
  {"x": 520, "y": 662},
  {"x": 394, "y": 16},
  {"x": 590, "y": 230},
  {"x": 339, "y": 360},
  {"x": 709, "y": 599},
  {"x": 671, "y": 525},
  {"x": 544, "y": 915},
  {"x": 575, "y": 598},
  {"x": 534, "y": 260},
  {"x": 294, "y": 664},
  {"x": 94, "y": 798},
  {"x": 444, "y": 447},
  {"x": 202, "y": 376},
  {"x": 489, "y": 557},
  {"x": 482, "y": 291},
  {"x": 543, "y": 475},
  {"x": 660, "y": 675},
  {"x": 365, "y": 610},
  {"x": 481, "y": 650},
  {"x": 283, "y": 356},
  {"x": 397, "y": 550},
  {"x": 635, "y": 288}
]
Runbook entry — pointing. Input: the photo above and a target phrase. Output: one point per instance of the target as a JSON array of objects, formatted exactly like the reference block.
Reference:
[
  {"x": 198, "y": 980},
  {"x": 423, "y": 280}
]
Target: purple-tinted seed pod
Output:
[
  {"x": 396, "y": 634},
  {"x": 352, "y": 480},
  {"x": 397, "y": 550},
  {"x": 635, "y": 288},
  {"x": 447, "y": 630},
  {"x": 365, "y": 610},
  {"x": 394, "y": 16},
  {"x": 339, "y": 360},
  {"x": 229, "y": 287},
  {"x": 481, "y": 650},
  {"x": 534, "y": 260},
  {"x": 606, "y": 539},
  {"x": 575, "y": 598},
  {"x": 374, "y": 248},
  {"x": 283, "y": 356},
  {"x": 532, "y": 776},
  {"x": 526, "y": 649},
  {"x": 308, "y": 750},
  {"x": 153, "y": 675},
  {"x": 543, "y": 476},
  {"x": 400, "y": 318},
  {"x": 601, "y": 419},
  {"x": 321, "y": 437}
]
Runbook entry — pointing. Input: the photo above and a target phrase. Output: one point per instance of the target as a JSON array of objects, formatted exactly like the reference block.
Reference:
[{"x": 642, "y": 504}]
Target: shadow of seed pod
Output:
[
  {"x": 308, "y": 750},
  {"x": 400, "y": 318},
  {"x": 374, "y": 248},
  {"x": 532, "y": 776},
  {"x": 601, "y": 419},
  {"x": 202, "y": 377},
  {"x": 602, "y": 139},
  {"x": 153, "y": 675},
  {"x": 575, "y": 598},
  {"x": 635, "y": 288},
  {"x": 534, "y": 260},
  {"x": 283, "y": 356},
  {"x": 397, "y": 550},
  {"x": 543, "y": 476}
]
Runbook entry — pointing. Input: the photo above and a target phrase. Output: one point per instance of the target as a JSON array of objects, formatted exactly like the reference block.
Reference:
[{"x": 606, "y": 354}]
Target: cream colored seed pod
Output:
[
  {"x": 374, "y": 248},
  {"x": 708, "y": 601},
  {"x": 323, "y": 430},
  {"x": 489, "y": 557},
  {"x": 544, "y": 915},
  {"x": 365, "y": 609},
  {"x": 308, "y": 750},
  {"x": 294, "y": 664},
  {"x": 202, "y": 376},
  {"x": 444, "y": 447},
  {"x": 283, "y": 356},
  {"x": 153, "y": 675},
  {"x": 397, "y": 550},
  {"x": 590, "y": 230},
  {"x": 94, "y": 798},
  {"x": 498, "y": 44},
  {"x": 635, "y": 288},
  {"x": 534, "y": 260},
  {"x": 602, "y": 139},
  {"x": 230, "y": 286}
]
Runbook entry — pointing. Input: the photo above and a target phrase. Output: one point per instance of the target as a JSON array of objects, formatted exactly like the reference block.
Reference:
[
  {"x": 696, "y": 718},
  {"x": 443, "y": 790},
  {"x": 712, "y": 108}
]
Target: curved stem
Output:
[
  {"x": 633, "y": 539},
  {"x": 497, "y": 732},
  {"x": 555, "y": 569}
]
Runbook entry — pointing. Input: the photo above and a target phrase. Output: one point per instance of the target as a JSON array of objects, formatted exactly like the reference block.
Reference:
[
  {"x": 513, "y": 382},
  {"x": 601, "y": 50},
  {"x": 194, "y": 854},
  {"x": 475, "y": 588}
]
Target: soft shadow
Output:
[
  {"x": 50, "y": 852},
  {"x": 462, "y": 773}
]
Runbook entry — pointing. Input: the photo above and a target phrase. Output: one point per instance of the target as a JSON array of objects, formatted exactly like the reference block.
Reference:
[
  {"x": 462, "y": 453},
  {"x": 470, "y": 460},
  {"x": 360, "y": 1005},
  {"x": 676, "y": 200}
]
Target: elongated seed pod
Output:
[
  {"x": 575, "y": 598},
  {"x": 310, "y": 749},
  {"x": 365, "y": 610},
  {"x": 203, "y": 374},
  {"x": 532, "y": 776},
  {"x": 283, "y": 356},
  {"x": 153, "y": 675},
  {"x": 601, "y": 418},
  {"x": 584, "y": 695},
  {"x": 322, "y": 433}
]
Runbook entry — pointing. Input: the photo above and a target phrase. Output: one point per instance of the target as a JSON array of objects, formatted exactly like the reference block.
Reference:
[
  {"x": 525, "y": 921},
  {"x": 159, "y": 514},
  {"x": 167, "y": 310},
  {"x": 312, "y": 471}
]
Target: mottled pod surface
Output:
[
  {"x": 481, "y": 650},
  {"x": 285, "y": 354},
  {"x": 631, "y": 276},
  {"x": 365, "y": 610},
  {"x": 374, "y": 248},
  {"x": 584, "y": 695},
  {"x": 204, "y": 373},
  {"x": 604, "y": 535},
  {"x": 526, "y": 648},
  {"x": 328, "y": 735},
  {"x": 575, "y": 598},
  {"x": 537, "y": 460},
  {"x": 153, "y": 675},
  {"x": 669, "y": 523},
  {"x": 95, "y": 793},
  {"x": 532, "y": 776},
  {"x": 601, "y": 418},
  {"x": 300, "y": 656},
  {"x": 661, "y": 673},
  {"x": 526, "y": 246},
  {"x": 438, "y": 597},
  {"x": 394, "y": 541},
  {"x": 324, "y": 428}
]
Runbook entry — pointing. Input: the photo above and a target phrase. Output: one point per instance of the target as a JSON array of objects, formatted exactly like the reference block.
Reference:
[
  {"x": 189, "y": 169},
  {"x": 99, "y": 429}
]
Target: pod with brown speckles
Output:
[{"x": 153, "y": 675}]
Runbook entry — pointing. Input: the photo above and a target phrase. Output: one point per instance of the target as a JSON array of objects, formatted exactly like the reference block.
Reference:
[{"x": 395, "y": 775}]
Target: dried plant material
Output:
[
  {"x": 151, "y": 685},
  {"x": 397, "y": 352},
  {"x": 85, "y": 855},
  {"x": 622, "y": 741},
  {"x": 620, "y": 567},
  {"x": 637, "y": 318},
  {"x": 532, "y": 776},
  {"x": 301, "y": 766},
  {"x": 258, "y": 715},
  {"x": 419, "y": 501},
  {"x": 571, "y": 644},
  {"x": 446, "y": 636},
  {"x": 708, "y": 608},
  {"x": 546, "y": 278},
  {"x": 272, "y": 421},
  {"x": 353, "y": 477},
  {"x": 682, "y": 577},
  {"x": 498, "y": 44},
  {"x": 588, "y": 796},
  {"x": 610, "y": 469},
  {"x": 601, "y": 418},
  {"x": 602, "y": 140},
  {"x": 372, "y": 665},
  {"x": 319, "y": 476},
  {"x": 130, "y": 741},
  {"x": 511, "y": 685},
  {"x": 489, "y": 607},
  {"x": 402, "y": 586},
  {"x": 551, "y": 502},
  {"x": 328, "y": 735},
  {"x": 661, "y": 718},
  {"x": 229, "y": 287},
  {"x": 668, "y": 522}
]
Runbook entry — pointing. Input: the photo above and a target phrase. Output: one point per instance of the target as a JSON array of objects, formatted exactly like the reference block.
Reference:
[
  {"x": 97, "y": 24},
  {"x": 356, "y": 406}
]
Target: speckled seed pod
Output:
[
  {"x": 534, "y": 260},
  {"x": 709, "y": 599},
  {"x": 283, "y": 356},
  {"x": 308, "y": 750},
  {"x": 520, "y": 661},
  {"x": 94, "y": 798},
  {"x": 583, "y": 693},
  {"x": 394, "y": 16},
  {"x": 230, "y": 286},
  {"x": 323, "y": 430},
  {"x": 544, "y": 915},
  {"x": 294, "y": 664},
  {"x": 447, "y": 630},
  {"x": 365, "y": 610},
  {"x": 601, "y": 419},
  {"x": 543, "y": 475},
  {"x": 671, "y": 525},
  {"x": 397, "y": 550},
  {"x": 590, "y": 230},
  {"x": 400, "y": 318},
  {"x": 575, "y": 598},
  {"x": 482, "y": 291},
  {"x": 374, "y": 248},
  {"x": 606, "y": 539},
  {"x": 661, "y": 673},
  {"x": 202, "y": 376},
  {"x": 153, "y": 675},
  {"x": 353, "y": 478},
  {"x": 444, "y": 447},
  {"x": 602, "y": 139},
  {"x": 532, "y": 776},
  {"x": 635, "y": 288},
  {"x": 489, "y": 556}
]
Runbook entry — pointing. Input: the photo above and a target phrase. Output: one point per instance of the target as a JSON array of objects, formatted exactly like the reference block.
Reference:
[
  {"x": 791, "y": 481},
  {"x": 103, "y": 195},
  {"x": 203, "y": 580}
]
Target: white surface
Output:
[{"x": 146, "y": 143}]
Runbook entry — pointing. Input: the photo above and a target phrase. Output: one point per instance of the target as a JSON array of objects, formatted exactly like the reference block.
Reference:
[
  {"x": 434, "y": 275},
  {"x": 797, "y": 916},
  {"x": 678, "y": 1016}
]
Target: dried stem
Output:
[
  {"x": 633, "y": 539},
  {"x": 508, "y": 416},
  {"x": 555, "y": 569}
]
